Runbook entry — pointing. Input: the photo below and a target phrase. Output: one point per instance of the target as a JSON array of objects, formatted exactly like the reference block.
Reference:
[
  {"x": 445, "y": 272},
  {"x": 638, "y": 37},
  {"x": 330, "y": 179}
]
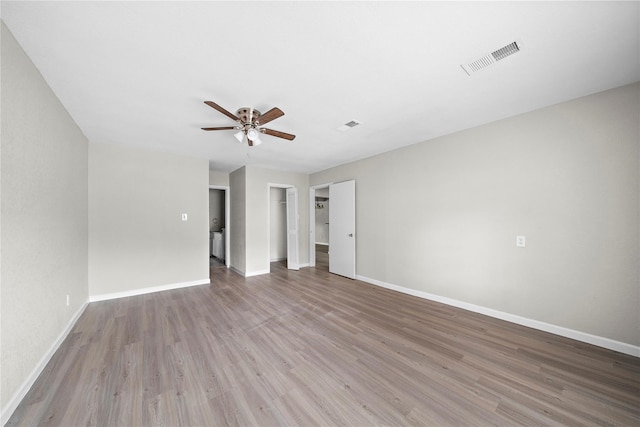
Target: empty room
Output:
[{"x": 310, "y": 213}]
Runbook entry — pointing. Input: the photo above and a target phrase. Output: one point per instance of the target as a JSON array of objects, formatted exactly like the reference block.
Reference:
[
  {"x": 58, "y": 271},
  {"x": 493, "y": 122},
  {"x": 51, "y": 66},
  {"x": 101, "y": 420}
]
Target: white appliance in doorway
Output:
[
  {"x": 218, "y": 244},
  {"x": 219, "y": 223}
]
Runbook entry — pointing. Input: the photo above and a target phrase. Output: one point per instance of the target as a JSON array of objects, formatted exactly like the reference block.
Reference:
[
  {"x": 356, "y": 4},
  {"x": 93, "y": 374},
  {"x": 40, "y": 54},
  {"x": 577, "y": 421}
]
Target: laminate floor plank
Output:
[{"x": 301, "y": 348}]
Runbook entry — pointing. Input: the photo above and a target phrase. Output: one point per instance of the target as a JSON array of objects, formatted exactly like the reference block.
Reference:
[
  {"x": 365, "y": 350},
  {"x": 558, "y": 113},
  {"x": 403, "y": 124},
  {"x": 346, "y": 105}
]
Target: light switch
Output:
[
  {"x": 521, "y": 241},
  {"x": 184, "y": 216}
]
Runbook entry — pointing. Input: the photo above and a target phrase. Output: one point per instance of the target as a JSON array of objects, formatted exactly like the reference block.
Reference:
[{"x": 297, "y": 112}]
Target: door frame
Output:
[
  {"x": 312, "y": 221},
  {"x": 227, "y": 222},
  {"x": 271, "y": 185}
]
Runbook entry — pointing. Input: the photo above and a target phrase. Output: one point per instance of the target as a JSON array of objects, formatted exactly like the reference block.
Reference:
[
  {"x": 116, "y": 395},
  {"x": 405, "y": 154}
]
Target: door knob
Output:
[{"x": 350, "y": 234}]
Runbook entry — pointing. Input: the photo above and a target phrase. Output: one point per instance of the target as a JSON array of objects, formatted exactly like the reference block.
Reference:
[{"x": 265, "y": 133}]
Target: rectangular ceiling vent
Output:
[
  {"x": 349, "y": 125},
  {"x": 491, "y": 58}
]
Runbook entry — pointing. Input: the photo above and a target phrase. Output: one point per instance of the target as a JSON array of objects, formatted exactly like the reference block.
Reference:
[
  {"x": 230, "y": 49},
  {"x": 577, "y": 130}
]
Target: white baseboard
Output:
[
  {"x": 142, "y": 291},
  {"x": 15, "y": 400},
  {"x": 249, "y": 273},
  {"x": 260, "y": 272},
  {"x": 621, "y": 347},
  {"x": 256, "y": 273}
]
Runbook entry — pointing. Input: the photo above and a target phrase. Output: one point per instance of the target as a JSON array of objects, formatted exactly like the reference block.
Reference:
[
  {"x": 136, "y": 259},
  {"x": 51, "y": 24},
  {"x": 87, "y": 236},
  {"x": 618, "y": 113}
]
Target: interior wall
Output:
[
  {"x": 218, "y": 178},
  {"x": 566, "y": 177},
  {"x": 137, "y": 238},
  {"x": 278, "y": 224},
  {"x": 257, "y": 209},
  {"x": 43, "y": 217},
  {"x": 238, "y": 212}
]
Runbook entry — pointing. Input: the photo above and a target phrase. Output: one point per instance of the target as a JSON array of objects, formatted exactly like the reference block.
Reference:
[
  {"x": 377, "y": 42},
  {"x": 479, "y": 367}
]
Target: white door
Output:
[
  {"x": 342, "y": 229},
  {"x": 292, "y": 229}
]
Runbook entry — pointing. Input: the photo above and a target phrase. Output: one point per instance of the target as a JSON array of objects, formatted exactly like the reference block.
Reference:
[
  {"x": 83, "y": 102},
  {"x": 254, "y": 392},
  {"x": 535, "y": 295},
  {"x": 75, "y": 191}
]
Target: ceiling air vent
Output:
[
  {"x": 349, "y": 125},
  {"x": 491, "y": 58}
]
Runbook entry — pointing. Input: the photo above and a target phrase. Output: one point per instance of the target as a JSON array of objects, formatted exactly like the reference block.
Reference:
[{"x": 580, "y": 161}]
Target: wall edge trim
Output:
[{"x": 599, "y": 341}]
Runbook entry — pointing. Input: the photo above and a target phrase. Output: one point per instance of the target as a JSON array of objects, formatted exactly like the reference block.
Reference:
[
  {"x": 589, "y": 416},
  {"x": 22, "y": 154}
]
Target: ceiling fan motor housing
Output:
[{"x": 248, "y": 115}]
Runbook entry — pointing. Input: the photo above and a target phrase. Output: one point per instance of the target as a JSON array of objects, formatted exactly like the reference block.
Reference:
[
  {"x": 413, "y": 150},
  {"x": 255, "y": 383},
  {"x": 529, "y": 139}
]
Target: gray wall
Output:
[
  {"x": 257, "y": 215},
  {"x": 566, "y": 177},
  {"x": 43, "y": 219},
  {"x": 237, "y": 188},
  {"x": 137, "y": 239},
  {"x": 218, "y": 178},
  {"x": 249, "y": 221}
]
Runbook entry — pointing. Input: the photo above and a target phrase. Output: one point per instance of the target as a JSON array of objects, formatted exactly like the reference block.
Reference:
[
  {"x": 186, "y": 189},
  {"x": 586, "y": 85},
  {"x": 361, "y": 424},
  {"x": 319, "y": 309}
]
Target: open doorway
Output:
[
  {"x": 219, "y": 226},
  {"x": 277, "y": 224},
  {"x": 319, "y": 223},
  {"x": 322, "y": 227},
  {"x": 283, "y": 225},
  {"x": 341, "y": 227}
]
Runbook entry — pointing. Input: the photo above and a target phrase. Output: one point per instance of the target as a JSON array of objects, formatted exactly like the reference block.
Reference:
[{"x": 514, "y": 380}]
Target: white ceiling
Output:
[{"x": 137, "y": 73}]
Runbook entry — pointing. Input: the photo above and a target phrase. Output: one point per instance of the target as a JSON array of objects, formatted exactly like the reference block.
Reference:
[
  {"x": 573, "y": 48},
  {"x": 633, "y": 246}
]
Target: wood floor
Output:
[{"x": 309, "y": 348}]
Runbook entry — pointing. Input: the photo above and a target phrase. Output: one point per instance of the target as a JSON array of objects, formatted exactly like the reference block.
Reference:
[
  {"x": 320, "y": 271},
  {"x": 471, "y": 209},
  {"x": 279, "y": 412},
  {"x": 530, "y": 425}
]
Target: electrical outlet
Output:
[
  {"x": 521, "y": 241},
  {"x": 184, "y": 216}
]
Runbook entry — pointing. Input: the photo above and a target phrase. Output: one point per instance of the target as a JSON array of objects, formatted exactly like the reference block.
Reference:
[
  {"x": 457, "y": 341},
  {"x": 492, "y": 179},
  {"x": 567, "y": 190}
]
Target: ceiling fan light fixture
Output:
[
  {"x": 253, "y": 134},
  {"x": 239, "y": 136}
]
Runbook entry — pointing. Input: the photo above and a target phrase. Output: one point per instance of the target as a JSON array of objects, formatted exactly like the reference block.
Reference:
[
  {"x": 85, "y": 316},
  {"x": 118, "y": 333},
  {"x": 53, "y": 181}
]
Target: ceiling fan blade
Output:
[
  {"x": 222, "y": 110},
  {"x": 220, "y": 128},
  {"x": 272, "y": 114},
  {"x": 278, "y": 133}
]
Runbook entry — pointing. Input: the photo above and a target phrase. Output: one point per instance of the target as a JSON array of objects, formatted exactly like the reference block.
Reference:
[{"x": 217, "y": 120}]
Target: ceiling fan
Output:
[{"x": 249, "y": 123}]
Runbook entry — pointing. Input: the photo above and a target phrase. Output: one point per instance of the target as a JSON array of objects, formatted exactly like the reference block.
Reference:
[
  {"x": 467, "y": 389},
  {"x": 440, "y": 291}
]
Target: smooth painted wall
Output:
[
  {"x": 137, "y": 238},
  {"x": 257, "y": 215},
  {"x": 218, "y": 178},
  {"x": 237, "y": 235},
  {"x": 566, "y": 177},
  {"x": 43, "y": 219}
]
